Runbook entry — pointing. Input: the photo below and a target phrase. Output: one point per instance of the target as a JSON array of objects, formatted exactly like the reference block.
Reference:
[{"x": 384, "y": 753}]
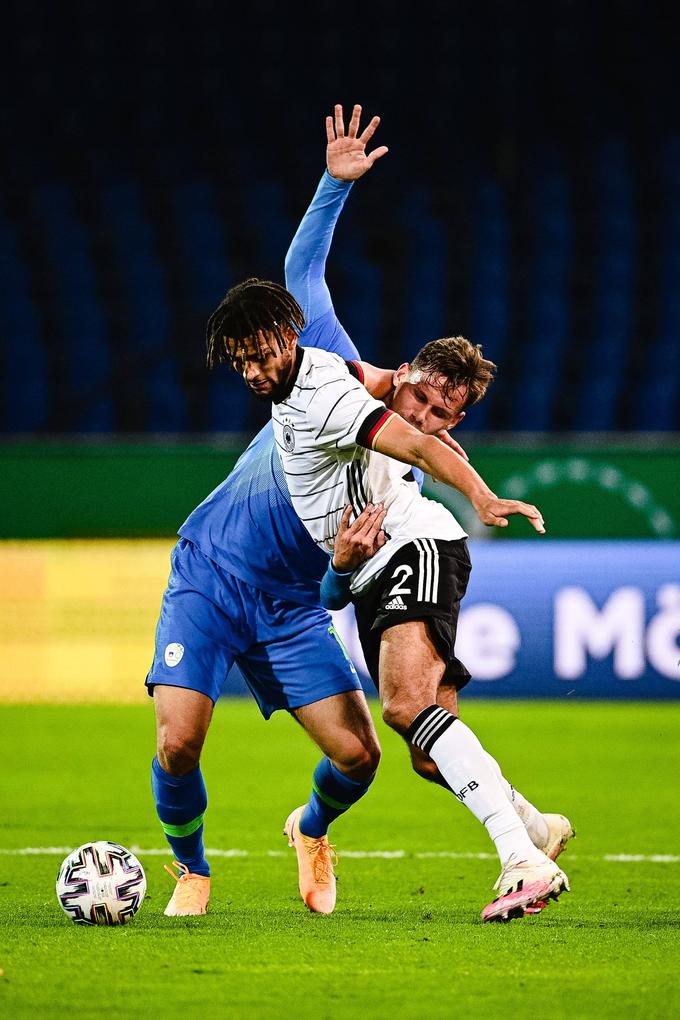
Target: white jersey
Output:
[{"x": 325, "y": 430}]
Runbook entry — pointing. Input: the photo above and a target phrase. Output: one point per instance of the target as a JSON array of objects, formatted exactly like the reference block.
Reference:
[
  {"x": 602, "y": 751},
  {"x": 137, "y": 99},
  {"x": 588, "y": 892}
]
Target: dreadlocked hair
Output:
[
  {"x": 460, "y": 362},
  {"x": 251, "y": 309}
]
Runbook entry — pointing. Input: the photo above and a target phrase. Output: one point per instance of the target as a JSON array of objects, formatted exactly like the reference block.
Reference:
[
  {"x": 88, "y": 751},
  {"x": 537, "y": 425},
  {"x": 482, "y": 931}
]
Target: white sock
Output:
[
  {"x": 462, "y": 761},
  {"x": 532, "y": 819}
]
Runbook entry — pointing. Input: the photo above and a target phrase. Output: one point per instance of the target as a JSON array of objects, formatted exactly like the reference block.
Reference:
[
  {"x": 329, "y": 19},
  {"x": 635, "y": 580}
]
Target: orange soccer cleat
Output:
[
  {"x": 316, "y": 860},
  {"x": 191, "y": 894}
]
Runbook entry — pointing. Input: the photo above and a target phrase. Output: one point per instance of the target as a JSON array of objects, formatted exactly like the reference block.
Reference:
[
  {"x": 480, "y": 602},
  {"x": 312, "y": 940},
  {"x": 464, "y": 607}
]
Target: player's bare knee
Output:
[
  {"x": 177, "y": 752},
  {"x": 371, "y": 754},
  {"x": 359, "y": 759},
  {"x": 398, "y": 714}
]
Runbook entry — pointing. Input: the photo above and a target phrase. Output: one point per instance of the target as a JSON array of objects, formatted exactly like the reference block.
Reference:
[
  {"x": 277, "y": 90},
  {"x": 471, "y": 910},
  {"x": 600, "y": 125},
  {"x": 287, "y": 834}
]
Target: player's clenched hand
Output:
[
  {"x": 346, "y": 156},
  {"x": 494, "y": 511},
  {"x": 452, "y": 444},
  {"x": 357, "y": 542}
]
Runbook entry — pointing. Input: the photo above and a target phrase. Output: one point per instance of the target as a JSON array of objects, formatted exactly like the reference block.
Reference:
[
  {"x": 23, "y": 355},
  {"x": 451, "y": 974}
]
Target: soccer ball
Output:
[{"x": 101, "y": 883}]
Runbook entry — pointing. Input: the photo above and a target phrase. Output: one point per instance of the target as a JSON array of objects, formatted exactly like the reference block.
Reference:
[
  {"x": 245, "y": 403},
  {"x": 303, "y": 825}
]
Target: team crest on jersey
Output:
[
  {"x": 173, "y": 654},
  {"x": 288, "y": 437}
]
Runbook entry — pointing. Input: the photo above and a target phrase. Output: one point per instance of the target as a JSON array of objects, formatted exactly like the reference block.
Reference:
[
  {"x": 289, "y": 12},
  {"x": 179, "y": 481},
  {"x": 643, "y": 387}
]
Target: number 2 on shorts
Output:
[{"x": 405, "y": 571}]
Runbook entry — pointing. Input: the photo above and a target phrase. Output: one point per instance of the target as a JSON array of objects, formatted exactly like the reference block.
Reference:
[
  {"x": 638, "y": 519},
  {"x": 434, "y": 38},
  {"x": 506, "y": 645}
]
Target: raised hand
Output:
[
  {"x": 346, "y": 156},
  {"x": 494, "y": 511}
]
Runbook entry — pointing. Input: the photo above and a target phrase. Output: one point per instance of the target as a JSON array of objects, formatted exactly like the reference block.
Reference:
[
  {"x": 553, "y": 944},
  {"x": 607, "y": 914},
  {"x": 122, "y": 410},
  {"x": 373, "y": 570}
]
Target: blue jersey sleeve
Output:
[
  {"x": 306, "y": 267},
  {"x": 306, "y": 257},
  {"x": 335, "y": 588}
]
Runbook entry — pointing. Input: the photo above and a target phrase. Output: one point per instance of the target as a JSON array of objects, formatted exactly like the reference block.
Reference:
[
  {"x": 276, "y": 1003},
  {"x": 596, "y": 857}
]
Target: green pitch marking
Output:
[{"x": 408, "y": 922}]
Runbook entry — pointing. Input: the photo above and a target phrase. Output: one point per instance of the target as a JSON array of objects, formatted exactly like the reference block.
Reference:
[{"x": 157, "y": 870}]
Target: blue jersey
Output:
[{"x": 247, "y": 524}]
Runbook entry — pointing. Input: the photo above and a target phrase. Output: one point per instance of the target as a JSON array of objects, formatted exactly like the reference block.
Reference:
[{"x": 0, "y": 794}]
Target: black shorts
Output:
[{"x": 424, "y": 580}]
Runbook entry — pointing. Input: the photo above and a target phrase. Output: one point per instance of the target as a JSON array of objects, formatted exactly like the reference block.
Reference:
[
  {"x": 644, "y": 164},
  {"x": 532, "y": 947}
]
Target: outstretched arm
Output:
[
  {"x": 346, "y": 161},
  {"x": 306, "y": 258},
  {"x": 398, "y": 439}
]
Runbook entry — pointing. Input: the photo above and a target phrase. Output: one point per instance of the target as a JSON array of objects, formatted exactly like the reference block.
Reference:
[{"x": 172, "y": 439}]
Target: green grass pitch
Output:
[{"x": 406, "y": 939}]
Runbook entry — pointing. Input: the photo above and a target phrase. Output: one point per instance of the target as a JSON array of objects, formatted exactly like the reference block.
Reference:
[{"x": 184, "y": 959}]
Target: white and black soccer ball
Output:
[{"x": 101, "y": 883}]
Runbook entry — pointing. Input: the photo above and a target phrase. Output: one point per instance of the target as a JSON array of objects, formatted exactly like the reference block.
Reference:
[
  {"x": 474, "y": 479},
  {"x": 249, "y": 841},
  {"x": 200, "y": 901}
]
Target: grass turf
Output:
[{"x": 406, "y": 939}]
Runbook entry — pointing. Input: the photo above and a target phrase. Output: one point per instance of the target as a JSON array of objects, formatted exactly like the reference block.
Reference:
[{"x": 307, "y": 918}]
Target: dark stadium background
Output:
[
  {"x": 155, "y": 154},
  {"x": 152, "y": 154}
]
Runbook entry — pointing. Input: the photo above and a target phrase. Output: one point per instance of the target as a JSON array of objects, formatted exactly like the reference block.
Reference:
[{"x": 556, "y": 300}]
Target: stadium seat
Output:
[
  {"x": 151, "y": 368},
  {"x": 25, "y": 400},
  {"x": 490, "y": 287},
  {"x": 613, "y": 308},
  {"x": 547, "y": 312},
  {"x": 81, "y": 334}
]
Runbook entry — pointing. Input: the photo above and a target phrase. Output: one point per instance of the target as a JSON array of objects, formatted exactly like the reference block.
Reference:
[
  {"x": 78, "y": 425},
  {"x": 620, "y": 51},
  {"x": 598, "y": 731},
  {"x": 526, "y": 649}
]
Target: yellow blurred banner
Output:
[{"x": 77, "y": 618}]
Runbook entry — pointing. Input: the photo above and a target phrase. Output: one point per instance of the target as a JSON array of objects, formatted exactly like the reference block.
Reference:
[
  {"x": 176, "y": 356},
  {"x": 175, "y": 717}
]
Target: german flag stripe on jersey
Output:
[
  {"x": 356, "y": 369},
  {"x": 373, "y": 426}
]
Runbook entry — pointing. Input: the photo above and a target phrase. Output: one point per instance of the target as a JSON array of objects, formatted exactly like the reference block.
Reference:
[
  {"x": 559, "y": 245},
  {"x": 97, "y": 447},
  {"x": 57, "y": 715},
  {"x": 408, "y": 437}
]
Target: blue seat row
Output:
[{"x": 104, "y": 295}]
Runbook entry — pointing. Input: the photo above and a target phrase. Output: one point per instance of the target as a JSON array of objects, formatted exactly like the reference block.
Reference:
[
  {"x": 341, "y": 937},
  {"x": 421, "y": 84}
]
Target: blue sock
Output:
[
  {"x": 180, "y": 803},
  {"x": 332, "y": 794}
]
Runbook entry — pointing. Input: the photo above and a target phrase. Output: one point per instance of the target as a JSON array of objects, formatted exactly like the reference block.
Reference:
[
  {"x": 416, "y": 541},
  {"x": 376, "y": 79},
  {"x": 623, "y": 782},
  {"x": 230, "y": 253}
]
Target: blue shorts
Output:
[{"x": 290, "y": 655}]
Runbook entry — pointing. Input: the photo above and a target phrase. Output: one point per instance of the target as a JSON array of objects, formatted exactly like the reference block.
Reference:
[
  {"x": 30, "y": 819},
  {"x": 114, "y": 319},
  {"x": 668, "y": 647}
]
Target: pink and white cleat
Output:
[{"x": 525, "y": 888}]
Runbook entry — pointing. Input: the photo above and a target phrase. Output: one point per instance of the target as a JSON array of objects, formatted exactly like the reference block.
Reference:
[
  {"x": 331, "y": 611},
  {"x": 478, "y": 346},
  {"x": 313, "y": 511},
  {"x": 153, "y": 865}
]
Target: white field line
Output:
[{"x": 55, "y": 851}]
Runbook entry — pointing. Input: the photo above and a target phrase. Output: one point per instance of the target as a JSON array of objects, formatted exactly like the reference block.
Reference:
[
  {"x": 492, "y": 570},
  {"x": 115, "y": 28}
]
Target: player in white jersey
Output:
[
  {"x": 329, "y": 409},
  {"x": 332, "y": 437}
]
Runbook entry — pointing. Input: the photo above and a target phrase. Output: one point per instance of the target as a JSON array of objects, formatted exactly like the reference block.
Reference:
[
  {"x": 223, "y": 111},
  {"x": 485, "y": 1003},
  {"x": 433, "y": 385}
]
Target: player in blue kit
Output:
[{"x": 244, "y": 588}]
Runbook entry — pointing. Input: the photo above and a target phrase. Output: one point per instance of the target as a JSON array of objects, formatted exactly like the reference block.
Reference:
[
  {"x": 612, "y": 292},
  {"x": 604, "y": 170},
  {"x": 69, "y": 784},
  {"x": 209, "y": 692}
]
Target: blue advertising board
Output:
[{"x": 584, "y": 619}]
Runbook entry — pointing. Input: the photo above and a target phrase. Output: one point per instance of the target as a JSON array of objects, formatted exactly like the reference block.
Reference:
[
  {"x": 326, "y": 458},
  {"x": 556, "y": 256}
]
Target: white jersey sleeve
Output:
[{"x": 341, "y": 413}]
